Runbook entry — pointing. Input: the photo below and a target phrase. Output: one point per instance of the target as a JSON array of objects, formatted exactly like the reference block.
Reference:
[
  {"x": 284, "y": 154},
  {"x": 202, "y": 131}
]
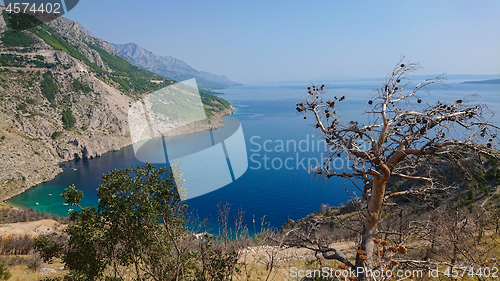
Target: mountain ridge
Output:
[{"x": 170, "y": 67}]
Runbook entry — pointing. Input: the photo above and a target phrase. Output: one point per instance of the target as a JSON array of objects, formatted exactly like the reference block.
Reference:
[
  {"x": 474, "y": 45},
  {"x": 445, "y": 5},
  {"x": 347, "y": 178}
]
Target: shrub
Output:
[
  {"x": 55, "y": 135},
  {"x": 68, "y": 119},
  {"x": 4, "y": 272},
  {"x": 21, "y": 106},
  {"x": 77, "y": 86},
  {"x": 49, "y": 87}
]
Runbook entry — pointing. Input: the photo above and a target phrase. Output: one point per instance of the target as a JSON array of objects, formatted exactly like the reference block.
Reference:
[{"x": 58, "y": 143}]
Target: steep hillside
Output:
[
  {"x": 171, "y": 67},
  {"x": 65, "y": 95}
]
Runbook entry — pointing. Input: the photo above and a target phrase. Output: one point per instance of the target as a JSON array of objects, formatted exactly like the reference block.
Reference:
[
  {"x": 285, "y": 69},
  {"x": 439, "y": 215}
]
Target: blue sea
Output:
[{"x": 269, "y": 191}]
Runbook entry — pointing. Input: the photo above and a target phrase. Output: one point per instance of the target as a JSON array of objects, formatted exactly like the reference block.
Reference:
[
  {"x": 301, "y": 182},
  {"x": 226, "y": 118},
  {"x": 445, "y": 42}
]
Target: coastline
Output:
[{"x": 53, "y": 170}]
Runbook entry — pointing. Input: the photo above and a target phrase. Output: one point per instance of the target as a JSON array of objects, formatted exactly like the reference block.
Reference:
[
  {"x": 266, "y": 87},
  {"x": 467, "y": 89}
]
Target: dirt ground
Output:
[
  {"x": 266, "y": 253},
  {"x": 32, "y": 228}
]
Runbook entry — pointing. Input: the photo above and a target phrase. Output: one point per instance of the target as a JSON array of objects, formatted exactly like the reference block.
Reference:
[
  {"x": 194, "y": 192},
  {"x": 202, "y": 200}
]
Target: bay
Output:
[{"x": 269, "y": 192}]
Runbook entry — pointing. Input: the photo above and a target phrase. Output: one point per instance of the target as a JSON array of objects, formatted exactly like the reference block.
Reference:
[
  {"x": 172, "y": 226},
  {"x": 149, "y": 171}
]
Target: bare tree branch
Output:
[{"x": 402, "y": 127}]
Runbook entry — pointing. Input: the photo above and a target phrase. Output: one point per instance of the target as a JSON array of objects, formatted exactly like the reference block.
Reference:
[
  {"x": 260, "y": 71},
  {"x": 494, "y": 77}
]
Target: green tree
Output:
[
  {"x": 68, "y": 119},
  {"x": 137, "y": 225},
  {"x": 137, "y": 230}
]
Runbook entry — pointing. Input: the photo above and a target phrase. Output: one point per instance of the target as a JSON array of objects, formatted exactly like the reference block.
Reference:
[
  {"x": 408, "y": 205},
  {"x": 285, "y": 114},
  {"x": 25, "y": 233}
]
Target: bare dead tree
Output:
[{"x": 401, "y": 127}]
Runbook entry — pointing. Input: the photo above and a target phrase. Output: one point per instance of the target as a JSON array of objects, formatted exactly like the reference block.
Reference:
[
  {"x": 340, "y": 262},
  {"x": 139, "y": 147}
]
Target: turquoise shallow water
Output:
[{"x": 266, "y": 190}]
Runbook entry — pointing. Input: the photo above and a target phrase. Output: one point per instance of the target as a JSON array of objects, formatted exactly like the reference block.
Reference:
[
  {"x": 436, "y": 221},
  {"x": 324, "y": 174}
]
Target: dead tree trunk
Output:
[{"x": 365, "y": 260}]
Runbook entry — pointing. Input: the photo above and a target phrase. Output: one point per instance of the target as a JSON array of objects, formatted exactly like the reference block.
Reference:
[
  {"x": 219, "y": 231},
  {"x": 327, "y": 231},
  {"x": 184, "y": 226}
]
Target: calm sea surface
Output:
[{"x": 268, "y": 189}]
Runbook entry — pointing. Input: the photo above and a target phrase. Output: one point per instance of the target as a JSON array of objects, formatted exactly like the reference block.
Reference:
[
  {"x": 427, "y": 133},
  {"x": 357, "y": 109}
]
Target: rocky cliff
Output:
[{"x": 65, "y": 95}]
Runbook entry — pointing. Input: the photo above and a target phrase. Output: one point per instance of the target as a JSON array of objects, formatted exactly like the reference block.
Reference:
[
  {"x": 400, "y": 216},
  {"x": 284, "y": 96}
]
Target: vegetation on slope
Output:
[
  {"x": 68, "y": 119},
  {"x": 16, "y": 39},
  {"x": 79, "y": 86},
  {"x": 215, "y": 103},
  {"x": 129, "y": 77},
  {"x": 50, "y": 37},
  {"x": 49, "y": 87},
  {"x": 12, "y": 60},
  {"x": 20, "y": 21},
  {"x": 132, "y": 78}
]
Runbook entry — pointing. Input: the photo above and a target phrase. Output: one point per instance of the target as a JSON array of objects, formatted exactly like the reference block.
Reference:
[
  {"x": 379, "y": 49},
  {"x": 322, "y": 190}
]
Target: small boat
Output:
[
  {"x": 74, "y": 169},
  {"x": 36, "y": 203},
  {"x": 70, "y": 210},
  {"x": 50, "y": 194},
  {"x": 65, "y": 204}
]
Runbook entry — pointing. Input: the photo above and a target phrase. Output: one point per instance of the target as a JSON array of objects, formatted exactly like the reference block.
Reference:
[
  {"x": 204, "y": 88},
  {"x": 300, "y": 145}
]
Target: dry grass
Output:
[
  {"x": 259, "y": 268},
  {"x": 282, "y": 271},
  {"x": 23, "y": 273}
]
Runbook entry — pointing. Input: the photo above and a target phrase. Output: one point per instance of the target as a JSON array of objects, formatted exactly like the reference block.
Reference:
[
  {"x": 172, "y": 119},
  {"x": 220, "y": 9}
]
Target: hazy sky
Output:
[{"x": 257, "y": 41}]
